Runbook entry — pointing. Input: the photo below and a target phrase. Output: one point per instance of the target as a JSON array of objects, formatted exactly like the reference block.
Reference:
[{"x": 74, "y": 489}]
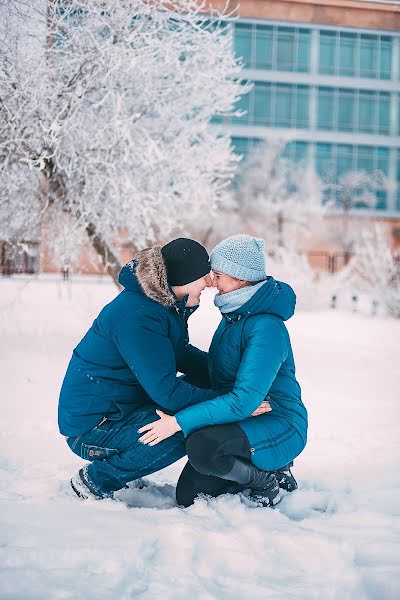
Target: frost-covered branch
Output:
[{"x": 105, "y": 119}]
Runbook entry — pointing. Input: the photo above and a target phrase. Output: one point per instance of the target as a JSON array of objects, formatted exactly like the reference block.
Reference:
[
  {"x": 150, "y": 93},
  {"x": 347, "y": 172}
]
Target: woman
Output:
[{"x": 250, "y": 360}]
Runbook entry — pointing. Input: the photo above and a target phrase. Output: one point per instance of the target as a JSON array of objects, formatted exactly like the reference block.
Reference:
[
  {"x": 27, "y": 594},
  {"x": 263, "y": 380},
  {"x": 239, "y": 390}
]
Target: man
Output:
[{"x": 126, "y": 366}]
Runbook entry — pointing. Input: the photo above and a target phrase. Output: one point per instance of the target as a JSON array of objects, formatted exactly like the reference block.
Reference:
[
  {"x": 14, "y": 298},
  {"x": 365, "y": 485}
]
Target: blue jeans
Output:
[{"x": 118, "y": 457}]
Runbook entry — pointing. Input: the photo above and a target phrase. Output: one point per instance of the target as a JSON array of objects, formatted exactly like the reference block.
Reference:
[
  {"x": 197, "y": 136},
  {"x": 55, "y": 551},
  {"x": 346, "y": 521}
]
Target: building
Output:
[{"x": 326, "y": 75}]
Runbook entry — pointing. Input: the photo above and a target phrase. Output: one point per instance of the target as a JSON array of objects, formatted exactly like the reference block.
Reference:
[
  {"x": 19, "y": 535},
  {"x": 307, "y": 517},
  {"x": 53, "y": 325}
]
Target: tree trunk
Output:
[
  {"x": 57, "y": 192},
  {"x": 109, "y": 259}
]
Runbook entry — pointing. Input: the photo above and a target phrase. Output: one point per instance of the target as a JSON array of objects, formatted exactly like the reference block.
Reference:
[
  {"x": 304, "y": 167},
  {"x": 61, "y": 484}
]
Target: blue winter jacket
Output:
[
  {"x": 251, "y": 359},
  {"x": 131, "y": 354}
]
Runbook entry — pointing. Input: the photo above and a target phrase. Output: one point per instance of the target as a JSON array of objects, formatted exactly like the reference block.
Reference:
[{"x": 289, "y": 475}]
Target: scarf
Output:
[{"x": 232, "y": 301}]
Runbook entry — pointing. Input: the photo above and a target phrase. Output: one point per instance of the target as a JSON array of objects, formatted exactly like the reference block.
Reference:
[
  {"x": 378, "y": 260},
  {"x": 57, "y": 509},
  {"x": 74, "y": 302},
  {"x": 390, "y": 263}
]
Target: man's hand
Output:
[
  {"x": 160, "y": 430},
  {"x": 263, "y": 408}
]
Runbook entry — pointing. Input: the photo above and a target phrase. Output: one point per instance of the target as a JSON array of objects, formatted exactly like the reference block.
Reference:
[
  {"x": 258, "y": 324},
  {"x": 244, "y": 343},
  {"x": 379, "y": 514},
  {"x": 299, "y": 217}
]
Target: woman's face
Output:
[{"x": 225, "y": 283}]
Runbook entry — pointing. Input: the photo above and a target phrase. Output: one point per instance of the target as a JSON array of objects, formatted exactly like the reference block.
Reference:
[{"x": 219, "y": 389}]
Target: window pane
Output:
[
  {"x": 304, "y": 51},
  {"x": 386, "y": 58},
  {"x": 344, "y": 159},
  {"x": 295, "y": 151},
  {"x": 299, "y": 151},
  {"x": 365, "y": 159},
  {"x": 327, "y": 52},
  {"x": 264, "y": 48},
  {"x": 347, "y": 54},
  {"x": 243, "y": 42},
  {"x": 367, "y": 113},
  {"x": 262, "y": 104},
  {"x": 381, "y": 200},
  {"x": 302, "y": 107},
  {"x": 325, "y": 108},
  {"x": 346, "y": 111},
  {"x": 286, "y": 50},
  {"x": 324, "y": 161},
  {"x": 240, "y": 144},
  {"x": 283, "y": 106},
  {"x": 368, "y": 56},
  {"x": 383, "y": 160},
  {"x": 384, "y": 113}
]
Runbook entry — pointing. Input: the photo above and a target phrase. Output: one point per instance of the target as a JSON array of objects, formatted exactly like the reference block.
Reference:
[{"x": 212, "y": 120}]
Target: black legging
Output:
[{"x": 212, "y": 452}]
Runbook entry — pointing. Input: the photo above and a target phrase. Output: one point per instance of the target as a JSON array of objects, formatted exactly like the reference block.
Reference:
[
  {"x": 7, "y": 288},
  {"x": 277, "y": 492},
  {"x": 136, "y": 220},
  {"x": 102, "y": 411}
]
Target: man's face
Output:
[
  {"x": 226, "y": 283},
  {"x": 194, "y": 290}
]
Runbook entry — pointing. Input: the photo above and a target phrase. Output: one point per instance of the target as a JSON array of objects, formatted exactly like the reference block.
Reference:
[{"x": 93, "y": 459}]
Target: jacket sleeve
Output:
[
  {"x": 144, "y": 344},
  {"x": 266, "y": 349},
  {"x": 195, "y": 366}
]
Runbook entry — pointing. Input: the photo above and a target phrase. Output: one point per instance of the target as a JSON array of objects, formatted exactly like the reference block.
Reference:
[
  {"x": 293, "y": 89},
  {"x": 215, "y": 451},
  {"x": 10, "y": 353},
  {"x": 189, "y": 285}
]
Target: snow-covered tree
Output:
[
  {"x": 352, "y": 190},
  {"x": 276, "y": 198},
  {"x": 376, "y": 268},
  {"x": 105, "y": 111}
]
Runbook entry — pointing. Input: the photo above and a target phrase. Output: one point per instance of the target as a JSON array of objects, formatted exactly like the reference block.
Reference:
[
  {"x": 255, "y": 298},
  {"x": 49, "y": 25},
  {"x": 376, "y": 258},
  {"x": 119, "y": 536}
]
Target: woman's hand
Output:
[
  {"x": 263, "y": 408},
  {"x": 160, "y": 430}
]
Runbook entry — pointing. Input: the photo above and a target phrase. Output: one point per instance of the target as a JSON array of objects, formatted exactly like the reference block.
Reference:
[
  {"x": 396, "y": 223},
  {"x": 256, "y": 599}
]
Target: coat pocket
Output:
[{"x": 89, "y": 452}]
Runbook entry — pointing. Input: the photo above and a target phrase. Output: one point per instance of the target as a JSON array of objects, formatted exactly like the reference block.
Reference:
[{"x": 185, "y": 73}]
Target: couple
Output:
[{"x": 236, "y": 412}]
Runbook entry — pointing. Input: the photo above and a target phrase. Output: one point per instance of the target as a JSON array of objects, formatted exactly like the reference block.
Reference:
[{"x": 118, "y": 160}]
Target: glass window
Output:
[
  {"x": 344, "y": 160},
  {"x": 381, "y": 200},
  {"x": 296, "y": 151},
  {"x": 324, "y": 159},
  {"x": 264, "y": 48},
  {"x": 368, "y": 56},
  {"x": 326, "y": 109},
  {"x": 346, "y": 110},
  {"x": 262, "y": 103},
  {"x": 365, "y": 159},
  {"x": 304, "y": 49},
  {"x": 243, "y": 36},
  {"x": 302, "y": 106},
  {"x": 240, "y": 145},
  {"x": 367, "y": 112},
  {"x": 286, "y": 49},
  {"x": 283, "y": 106},
  {"x": 347, "y": 53},
  {"x": 382, "y": 162},
  {"x": 384, "y": 113},
  {"x": 386, "y": 57},
  {"x": 327, "y": 46}
]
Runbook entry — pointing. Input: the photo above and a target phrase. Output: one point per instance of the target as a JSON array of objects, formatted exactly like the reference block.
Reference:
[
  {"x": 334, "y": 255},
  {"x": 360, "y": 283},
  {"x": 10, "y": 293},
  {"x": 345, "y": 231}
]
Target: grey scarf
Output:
[{"x": 232, "y": 301}]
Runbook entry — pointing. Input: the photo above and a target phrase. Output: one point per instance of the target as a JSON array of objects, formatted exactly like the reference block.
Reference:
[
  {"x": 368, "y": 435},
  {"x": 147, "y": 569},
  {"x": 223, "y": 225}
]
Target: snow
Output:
[{"x": 337, "y": 537}]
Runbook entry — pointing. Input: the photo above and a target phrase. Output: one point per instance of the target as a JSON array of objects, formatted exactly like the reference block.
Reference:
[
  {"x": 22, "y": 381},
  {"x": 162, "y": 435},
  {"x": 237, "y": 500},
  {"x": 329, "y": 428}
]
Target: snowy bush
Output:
[
  {"x": 273, "y": 198},
  {"x": 111, "y": 102},
  {"x": 352, "y": 190},
  {"x": 314, "y": 289},
  {"x": 376, "y": 269}
]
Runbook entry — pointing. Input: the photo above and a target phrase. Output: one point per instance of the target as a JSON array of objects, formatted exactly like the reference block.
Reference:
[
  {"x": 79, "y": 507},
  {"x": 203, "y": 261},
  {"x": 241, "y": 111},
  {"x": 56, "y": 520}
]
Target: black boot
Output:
[
  {"x": 264, "y": 487},
  {"x": 285, "y": 478}
]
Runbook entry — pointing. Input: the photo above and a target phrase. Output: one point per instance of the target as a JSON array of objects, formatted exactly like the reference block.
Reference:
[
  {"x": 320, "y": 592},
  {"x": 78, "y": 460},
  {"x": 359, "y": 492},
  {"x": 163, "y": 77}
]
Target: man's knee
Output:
[{"x": 202, "y": 450}]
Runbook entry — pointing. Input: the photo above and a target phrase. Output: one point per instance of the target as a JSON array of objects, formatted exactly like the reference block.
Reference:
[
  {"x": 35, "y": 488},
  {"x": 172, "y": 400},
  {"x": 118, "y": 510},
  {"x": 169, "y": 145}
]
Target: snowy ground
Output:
[{"x": 337, "y": 537}]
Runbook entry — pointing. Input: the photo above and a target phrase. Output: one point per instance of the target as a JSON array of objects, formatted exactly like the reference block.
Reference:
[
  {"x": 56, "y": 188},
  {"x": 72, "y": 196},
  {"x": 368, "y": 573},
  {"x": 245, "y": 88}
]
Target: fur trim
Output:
[{"x": 152, "y": 275}]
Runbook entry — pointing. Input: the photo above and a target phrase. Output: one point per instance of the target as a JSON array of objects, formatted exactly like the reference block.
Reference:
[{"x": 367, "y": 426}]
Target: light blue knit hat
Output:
[{"x": 241, "y": 256}]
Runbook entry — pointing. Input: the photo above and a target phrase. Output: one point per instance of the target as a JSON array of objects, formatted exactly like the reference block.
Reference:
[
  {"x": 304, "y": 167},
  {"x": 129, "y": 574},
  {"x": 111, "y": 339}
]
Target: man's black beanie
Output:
[{"x": 186, "y": 260}]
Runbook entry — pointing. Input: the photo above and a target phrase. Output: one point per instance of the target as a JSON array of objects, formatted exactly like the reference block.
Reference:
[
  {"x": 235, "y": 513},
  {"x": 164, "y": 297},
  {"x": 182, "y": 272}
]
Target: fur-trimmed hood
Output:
[{"x": 149, "y": 271}]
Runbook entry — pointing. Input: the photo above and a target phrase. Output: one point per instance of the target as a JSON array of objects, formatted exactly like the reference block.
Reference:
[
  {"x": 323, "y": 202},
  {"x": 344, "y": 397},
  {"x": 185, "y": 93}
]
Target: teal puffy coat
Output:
[
  {"x": 251, "y": 359},
  {"x": 130, "y": 355}
]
